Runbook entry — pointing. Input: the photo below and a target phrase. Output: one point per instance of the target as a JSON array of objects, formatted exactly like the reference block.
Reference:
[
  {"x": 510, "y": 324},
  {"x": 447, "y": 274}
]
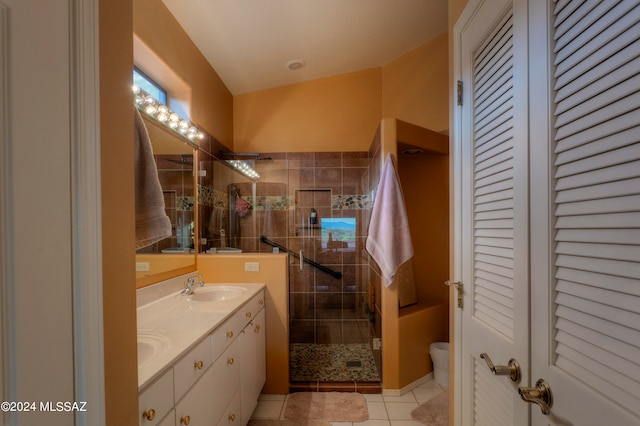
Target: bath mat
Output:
[
  {"x": 271, "y": 422},
  {"x": 327, "y": 406},
  {"x": 434, "y": 412}
]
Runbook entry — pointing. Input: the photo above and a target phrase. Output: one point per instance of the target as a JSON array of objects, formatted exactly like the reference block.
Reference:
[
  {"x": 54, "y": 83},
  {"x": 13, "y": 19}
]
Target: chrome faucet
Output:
[{"x": 189, "y": 285}]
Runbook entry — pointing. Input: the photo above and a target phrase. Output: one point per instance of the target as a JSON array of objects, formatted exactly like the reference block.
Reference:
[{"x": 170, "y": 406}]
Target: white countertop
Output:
[{"x": 175, "y": 325}]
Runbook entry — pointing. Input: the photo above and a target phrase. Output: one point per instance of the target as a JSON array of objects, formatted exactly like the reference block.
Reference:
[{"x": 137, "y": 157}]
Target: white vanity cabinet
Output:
[
  {"x": 190, "y": 368},
  {"x": 156, "y": 401},
  {"x": 169, "y": 420},
  {"x": 231, "y": 416},
  {"x": 253, "y": 371},
  {"x": 209, "y": 385},
  {"x": 226, "y": 370},
  {"x": 195, "y": 407},
  {"x": 237, "y": 368}
]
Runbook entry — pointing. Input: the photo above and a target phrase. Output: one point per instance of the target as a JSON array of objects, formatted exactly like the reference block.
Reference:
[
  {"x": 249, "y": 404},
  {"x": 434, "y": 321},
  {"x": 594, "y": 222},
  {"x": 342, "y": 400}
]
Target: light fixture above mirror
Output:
[{"x": 163, "y": 115}]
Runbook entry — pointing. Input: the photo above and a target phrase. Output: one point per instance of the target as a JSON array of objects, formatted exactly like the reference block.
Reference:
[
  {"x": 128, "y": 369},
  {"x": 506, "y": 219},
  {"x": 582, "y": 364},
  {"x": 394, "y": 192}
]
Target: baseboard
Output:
[
  {"x": 361, "y": 387},
  {"x": 409, "y": 387}
]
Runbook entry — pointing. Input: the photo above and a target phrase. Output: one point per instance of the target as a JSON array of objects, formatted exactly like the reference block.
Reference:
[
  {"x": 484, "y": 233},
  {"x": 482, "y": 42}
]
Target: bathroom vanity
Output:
[{"x": 201, "y": 356}]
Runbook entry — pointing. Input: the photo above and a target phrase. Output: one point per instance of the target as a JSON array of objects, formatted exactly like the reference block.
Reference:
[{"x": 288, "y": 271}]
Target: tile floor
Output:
[{"x": 383, "y": 410}]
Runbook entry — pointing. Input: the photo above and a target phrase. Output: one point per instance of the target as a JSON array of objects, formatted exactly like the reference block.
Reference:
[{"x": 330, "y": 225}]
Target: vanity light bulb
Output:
[
  {"x": 174, "y": 118},
  {"x": 162, "y": 109},
  {"x": 162, "y": 116},
  {"x": 151, "y": 109},
  {"x": 135, "y": 89},
  {"x": 173, "y": 124}
]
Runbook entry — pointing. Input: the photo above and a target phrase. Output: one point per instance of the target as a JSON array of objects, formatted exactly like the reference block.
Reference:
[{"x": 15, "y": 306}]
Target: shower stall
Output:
[{"x": 314, "y": 206}]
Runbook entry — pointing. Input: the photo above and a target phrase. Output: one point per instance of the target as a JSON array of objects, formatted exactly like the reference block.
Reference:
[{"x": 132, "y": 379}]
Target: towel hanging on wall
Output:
[
  {"x": 152, "y": 222},
  {"x": 389, "y": 240}
]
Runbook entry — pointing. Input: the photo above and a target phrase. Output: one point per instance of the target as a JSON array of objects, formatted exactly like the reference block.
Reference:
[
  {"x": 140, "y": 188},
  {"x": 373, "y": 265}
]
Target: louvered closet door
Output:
[
  {"x": 491, "y": 197},
  {"x": 586, "y": 223}
]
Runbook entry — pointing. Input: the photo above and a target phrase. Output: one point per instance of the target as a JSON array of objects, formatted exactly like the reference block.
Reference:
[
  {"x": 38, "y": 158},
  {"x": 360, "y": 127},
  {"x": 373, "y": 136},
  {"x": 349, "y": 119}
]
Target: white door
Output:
[
  {"x": 583, "y": 216},
  {"x": 50, "y": 292},
  {"x": 491, "y": 172},
  {"x": 585, "y": 213}
]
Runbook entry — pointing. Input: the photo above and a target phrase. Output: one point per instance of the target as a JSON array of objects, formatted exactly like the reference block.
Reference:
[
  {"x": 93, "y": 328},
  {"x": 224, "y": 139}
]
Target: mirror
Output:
[
  {"x": 219, "y": 229},
  {"x": 175, "y": 255}
]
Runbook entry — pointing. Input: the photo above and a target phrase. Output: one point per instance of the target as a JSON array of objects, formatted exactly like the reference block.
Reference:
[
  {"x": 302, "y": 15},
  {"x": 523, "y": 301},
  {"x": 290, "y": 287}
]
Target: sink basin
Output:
[
  {"x": 177, "y": 250},
  {"x": 150, "y": 344},
  {"x": 224, "y": 250},
  {"x": 217, "y": 293}
]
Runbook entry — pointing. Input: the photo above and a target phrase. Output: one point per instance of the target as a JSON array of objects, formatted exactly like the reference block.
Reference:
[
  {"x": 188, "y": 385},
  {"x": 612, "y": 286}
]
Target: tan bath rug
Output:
[
  {"x": 271, "y": 422},
  {"x": 434, "y": 412},
  {"x": 326, "y": 406}
]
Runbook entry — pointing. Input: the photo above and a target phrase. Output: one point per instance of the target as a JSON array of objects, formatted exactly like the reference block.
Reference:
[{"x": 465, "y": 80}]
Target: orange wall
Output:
[
  {"x": 331, "y": 114},
  {"x": 274, "y": 273},
  {"x": 414, "y": 86},
  {"x": 428, "y": 214},
  {"x": 118, "y": 245},
  {"x": 211, "y": 101},
  {"x": 342, "y": 113}
]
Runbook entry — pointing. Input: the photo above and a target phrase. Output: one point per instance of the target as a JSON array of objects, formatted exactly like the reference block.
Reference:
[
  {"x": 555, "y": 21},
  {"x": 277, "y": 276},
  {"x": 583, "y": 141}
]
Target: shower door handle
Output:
[{"x": 301, "y": 259}]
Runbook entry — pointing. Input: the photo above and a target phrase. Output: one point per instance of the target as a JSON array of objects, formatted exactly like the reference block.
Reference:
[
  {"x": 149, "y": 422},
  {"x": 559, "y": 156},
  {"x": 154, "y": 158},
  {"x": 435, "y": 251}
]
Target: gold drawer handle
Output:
[
  {"x": 261, "y": 301},
  {"x": 248, "y": 314},
  {"x": 232, "y": 417},
  {"x": 229, "y": 334},
  {"x": 257, "y": 329},
  {"x": 230, "y": 361},
  {"x": 149, "y": 414},
  {"x": 198, "y": 365},
  {"x": 185, "y": 420}
]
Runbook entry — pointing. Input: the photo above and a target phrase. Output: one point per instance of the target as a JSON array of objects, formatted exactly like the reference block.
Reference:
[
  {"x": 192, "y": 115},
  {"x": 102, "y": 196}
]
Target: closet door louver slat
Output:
[
  {"x": 493, "y": 405},
  {"x": 597, "y": 196},
  {"x": 493, "y": 180}
]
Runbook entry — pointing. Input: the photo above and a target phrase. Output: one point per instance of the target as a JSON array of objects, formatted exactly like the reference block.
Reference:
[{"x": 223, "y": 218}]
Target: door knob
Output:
[
  {"x": 512, "y": 369},
  {"x": 540, "y": 394}
]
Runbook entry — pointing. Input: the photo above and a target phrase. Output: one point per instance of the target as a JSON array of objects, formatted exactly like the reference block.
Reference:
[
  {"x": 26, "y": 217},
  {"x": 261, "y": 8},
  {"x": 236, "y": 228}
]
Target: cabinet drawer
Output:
[
  {"x": 252, "y": 307},
  {"x": 170, "y": 420},
  {"x": 156, "y": 400},
  {"x": 227, "y": 333},
  {"x": 195, "y": 408},
  {"x": 231, "y": 416},
  {"x": 191, "y": 367},
  {"x": 226, "y": 371}
]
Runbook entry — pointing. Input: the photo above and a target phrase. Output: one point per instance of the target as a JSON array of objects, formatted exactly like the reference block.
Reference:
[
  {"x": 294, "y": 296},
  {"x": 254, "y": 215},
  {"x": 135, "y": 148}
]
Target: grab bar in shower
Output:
[{"x": 336, "y": 274}]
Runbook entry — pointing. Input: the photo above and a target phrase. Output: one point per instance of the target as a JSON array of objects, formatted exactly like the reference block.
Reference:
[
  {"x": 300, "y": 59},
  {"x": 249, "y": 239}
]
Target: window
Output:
[{"x": 144, "y": 82}]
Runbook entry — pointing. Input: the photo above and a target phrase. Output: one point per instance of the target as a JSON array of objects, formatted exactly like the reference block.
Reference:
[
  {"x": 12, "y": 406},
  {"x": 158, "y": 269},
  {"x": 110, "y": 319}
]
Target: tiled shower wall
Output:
[{"x": 323, "y": 309}]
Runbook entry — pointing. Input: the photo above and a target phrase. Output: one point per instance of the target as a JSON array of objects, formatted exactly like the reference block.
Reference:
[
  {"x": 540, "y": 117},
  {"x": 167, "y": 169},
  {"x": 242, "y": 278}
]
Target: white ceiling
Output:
[{"x": 248, "y": 42}]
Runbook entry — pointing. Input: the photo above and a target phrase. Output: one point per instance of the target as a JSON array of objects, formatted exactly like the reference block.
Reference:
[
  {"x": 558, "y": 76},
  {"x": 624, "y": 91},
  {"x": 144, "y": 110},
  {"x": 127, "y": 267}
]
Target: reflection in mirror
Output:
[
  {"x": 239, "y": 207},
  {"x": 220, "y": 205},
  {"x": 174, "y": 255}
]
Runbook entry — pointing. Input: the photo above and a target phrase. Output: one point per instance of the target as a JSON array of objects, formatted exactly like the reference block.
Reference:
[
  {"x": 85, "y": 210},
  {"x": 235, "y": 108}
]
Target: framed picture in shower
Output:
[{"x": 338, "y": 233}]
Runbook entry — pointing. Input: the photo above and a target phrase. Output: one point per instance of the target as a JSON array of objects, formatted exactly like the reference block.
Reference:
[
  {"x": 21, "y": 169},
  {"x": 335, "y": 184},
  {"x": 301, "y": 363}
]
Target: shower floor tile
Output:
[{"x": 333, "y": 363}]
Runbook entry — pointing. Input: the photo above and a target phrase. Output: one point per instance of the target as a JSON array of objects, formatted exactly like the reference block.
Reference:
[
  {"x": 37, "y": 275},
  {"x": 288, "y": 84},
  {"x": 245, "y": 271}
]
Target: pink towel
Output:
[
  {"x": 242, "y": 207},
  {"x": 389, "y": 241}
]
